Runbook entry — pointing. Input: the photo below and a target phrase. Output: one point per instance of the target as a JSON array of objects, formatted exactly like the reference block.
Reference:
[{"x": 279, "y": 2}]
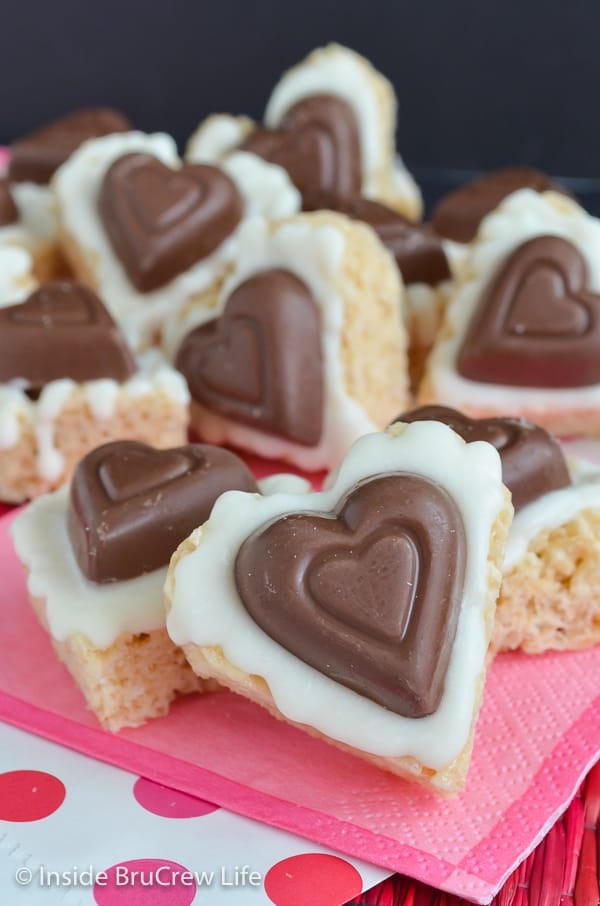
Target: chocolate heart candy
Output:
[
  {"x": 536, "y": 324},
  {"x": 532, "y": 461},
  {"x": 161, "y": 221},
  {"x": 419, "y": 253},
  {"x": 61, "y": 331},
  {"x": 131, "y": 505},
  {"x": 369, "y": 595},
  {"x": 8, "y": 209},
  {"x": 36, "y": 156},
  {"x": 260, "y": 363},
  {"x": 318, "y": 143},
  {"x": 458, "y": 215}
]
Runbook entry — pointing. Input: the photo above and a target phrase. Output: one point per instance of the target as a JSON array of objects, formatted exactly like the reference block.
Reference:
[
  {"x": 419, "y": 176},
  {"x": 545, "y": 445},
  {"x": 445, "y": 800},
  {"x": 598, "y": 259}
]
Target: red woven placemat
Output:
[{"x": 564, "y": 868}]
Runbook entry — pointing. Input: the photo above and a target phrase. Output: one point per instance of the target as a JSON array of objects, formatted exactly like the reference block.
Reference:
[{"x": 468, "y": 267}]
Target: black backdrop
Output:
[{"x": 481, "y": 83}]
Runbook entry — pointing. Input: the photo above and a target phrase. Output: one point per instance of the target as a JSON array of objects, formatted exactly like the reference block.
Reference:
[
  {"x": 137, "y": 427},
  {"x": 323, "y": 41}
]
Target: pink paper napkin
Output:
[{"x": 538, "y": 734}]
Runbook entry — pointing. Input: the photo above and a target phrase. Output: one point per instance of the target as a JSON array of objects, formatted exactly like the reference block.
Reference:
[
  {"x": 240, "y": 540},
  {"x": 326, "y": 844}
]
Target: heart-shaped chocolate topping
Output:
[
  {"x": 318, "y": 143},
  {"x": 260, "y": 363},
  {"x": 61, "y": 331},
  {"x": 369, "y": 595},
  {"x": 419, "y": 253},
  {"x": 161, "y": 221},
  {"x": 458, "y": 215},
  {"x": 537, "y": 324},
  {"x": 8, "y": 209},
  {"x": 532, "y": 460},
  {"x": 131, "y": 505},
  {"x": 36, "y": 156}
]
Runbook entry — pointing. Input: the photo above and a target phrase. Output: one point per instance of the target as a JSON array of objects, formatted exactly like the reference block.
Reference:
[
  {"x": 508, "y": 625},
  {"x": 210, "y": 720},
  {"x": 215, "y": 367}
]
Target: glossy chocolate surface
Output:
[
  {"x": 61, "y": 331},
  {"x": 532, "y": 460},
  {"x": 537, "y": 324},
  {"x": 369, "y": 595},
  {"x": 162, "y": 221},
  {"x": 36, "y": 156},
  {"x": 131, "y": 505},
  {"x": 260, "y": 362},
  {"x": 457, "y": 215},
  {"x": 318, "y": 143}
]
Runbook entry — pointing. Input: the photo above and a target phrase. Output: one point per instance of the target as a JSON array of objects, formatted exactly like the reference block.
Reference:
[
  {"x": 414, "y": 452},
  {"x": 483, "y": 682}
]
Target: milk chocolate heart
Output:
[
  {"x": 61, "y": 331},
  {"x": 419, "y": 253},
  {"x": 260, "y": 363},
  {"x": 532, "y": 460},
  {"x": 131, "y": 505},
  {"x": 318, "y": 143},
  {"x": 36, "y": 156},
  {"x": 8, "y": 209},
  {"x": 458, "y": 215},
  {"x": 536, "y": 325},
  {"x": 370, "y": 594},
  {"x": 161, "y": 221}
]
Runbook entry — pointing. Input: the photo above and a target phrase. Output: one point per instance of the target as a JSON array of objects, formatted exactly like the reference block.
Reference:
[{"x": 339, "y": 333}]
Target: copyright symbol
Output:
[{"x": 23, "y": 876}]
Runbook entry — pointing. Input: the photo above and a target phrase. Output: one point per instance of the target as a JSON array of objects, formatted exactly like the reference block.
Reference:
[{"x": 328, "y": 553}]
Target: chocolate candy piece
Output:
[
  {"x": 260, "y": 363},
  {"x": 8, "y": 209},
  {"x": 61, "y": 331},
  {"x": 318, "y": 143},
  {"x": 536, "y": 324},
  {"x": 419, "y": 253},
  {"x": 368, "y": 595},
  {"x": 532, "y": 461},
  {"x": 458, "y": 215},
  {"x": 161, "y": 221},
  {"x": 131, "y": 505},
  {"x": 36, "y": 156}
]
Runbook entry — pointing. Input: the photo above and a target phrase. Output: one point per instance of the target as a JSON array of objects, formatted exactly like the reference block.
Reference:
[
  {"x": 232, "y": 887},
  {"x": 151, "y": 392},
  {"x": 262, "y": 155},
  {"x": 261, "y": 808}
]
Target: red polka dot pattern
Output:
[
  {"x": 314, "y": 878},
  {"x": 29, "y": 795},
  {"x": 145, "y": 882},
  {"x": 167, "y": 803}
]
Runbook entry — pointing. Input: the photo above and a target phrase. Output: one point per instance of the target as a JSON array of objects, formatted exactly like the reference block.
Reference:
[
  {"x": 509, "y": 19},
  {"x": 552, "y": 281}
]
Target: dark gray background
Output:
[{"x": 481, "y": 83}]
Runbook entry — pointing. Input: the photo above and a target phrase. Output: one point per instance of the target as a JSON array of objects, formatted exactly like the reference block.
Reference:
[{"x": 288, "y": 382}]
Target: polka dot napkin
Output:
[{"x": 81, "y": 833}]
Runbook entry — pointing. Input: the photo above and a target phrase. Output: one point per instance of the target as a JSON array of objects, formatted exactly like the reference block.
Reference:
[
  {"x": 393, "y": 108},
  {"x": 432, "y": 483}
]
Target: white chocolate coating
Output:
[
  {"x": 521, "y": 216},
  {"x": 37, "y": 210},
  {"x": 16, "y": 276},
  {"x": 216, "y": 137},
  {"x": 74, "y": 604},
  {"x": 553, "y": 510},
  {"x": 314, "y": 254},
  {"x": 266, "y": 190},
  {"x": 206, "y": 609},
  {"x": 18, "y": 411}
]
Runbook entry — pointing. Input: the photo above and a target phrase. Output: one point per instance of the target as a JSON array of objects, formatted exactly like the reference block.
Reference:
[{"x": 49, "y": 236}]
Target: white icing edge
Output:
[
  {"x": 266, "y": 189},
  {"x": 520, "y": 217},
  {"x": 16, "y": 276},
  {"x": 206, "y": 609},
  {"x": 215, "y": 138},
  {"x": 37, "y": 210},
  {"x": 74, "y": 604},
  {"x": 552, "y": 510},
  {"x": 338, "y": 71},
  {"x": 314, "y": 253},
  {"x": 18, "y": 411}
]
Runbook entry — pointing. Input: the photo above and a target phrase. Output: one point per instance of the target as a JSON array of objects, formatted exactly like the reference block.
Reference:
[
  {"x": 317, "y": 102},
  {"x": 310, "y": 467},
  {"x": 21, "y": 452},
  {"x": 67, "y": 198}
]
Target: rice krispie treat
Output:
[
  {"x": 421, "y": 259},
  {"x": 521, "y": 335},
  {"x": 551, "y": 570},
  {"x": 301, "y": 350},
  {"x": 68, "y": 383},
  {"x": 33, "y": 161},
  {"x": 96, "y": 556},
  {"x": 331, "y": 123},
  {"x": 361, "y": 613},
  {"x": 148, "y": 232}
]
